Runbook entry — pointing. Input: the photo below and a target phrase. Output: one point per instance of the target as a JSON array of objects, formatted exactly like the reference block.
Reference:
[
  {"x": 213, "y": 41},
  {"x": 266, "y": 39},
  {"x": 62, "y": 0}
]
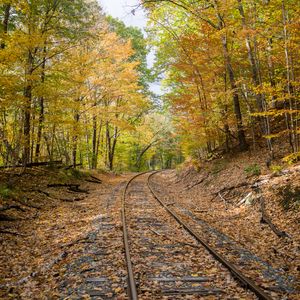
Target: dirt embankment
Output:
[
  {"x": 45, "y": 215},
  {"x": 254, "y": 205}
]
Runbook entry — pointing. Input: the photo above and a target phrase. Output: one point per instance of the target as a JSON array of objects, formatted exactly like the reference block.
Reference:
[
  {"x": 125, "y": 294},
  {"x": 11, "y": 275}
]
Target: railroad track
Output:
[{"x": 166, "y": 258}]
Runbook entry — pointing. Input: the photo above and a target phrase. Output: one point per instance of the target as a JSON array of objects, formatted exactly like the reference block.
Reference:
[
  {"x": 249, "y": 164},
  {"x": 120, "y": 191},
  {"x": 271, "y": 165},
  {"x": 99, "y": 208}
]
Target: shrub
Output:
[
  {"x": 276, "y": 169},
  {"x": 219, "y": 165},
  {"x": 253, "y": 170},
  {"x": 5, "y": 191}
]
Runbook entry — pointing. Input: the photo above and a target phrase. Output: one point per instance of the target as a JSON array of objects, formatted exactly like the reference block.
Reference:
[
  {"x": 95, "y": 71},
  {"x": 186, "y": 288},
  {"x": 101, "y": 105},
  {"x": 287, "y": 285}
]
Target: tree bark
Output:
[
  {"x": 27, "y": 109},
  {"x": 41, "y": 111},
  {"x": 75, "y": 140},
  {"x": 5, "y": 22},
  {"x": 94, "y": 143},
  {"x": 292, "y": 131},
  {"x": 235, "y": 98}
]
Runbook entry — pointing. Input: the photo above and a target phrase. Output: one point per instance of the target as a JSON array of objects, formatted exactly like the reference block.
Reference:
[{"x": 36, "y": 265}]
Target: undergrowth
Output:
[
  {"x": 73, "y": 174},
  {"x": 7, "y": 191},
  {"x": 219, "y": 165},
  {"x": 253, "y": 170},
  {"x": 289, "y": 197}
]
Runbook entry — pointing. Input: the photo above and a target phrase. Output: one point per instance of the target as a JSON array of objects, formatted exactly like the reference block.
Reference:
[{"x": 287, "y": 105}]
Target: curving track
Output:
[{"x": 167, "y": 259}]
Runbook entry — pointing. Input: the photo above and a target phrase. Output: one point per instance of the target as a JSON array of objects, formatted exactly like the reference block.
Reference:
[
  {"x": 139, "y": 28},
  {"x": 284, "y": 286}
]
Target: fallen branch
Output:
[
  {"x": 78, "y": 190},
  {"x": 266, "y": 219},
  {"x": 94, "y": 180},
  {"x": 79, "y": 240},
  {"x": 25, "y": 203},
  {"x": 227, "y": 189},
  {"x": 8, "y": 207},
  {"x": 12, "y": 233},
  {"x": 63, "y": 185},
  {"x": 184, "y": 175},
  {"x": 224, "y": 200},
  {"x": 72, "y": 166},
  {"x": 44, "y": 192},
  {"x": 8, "y": 218},
  {"x": 195, "y": 183},
  {"x": 34, "y": 164},
  {"x": 202, "y": 210},
  {"x": 72, "y": 200}
]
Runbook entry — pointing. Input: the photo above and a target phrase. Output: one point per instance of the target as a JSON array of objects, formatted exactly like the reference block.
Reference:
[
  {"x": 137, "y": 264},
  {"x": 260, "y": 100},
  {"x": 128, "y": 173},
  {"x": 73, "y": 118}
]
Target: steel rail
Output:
[
  {"x": 234, "y": 271},
  {"x": 132, "y": 290}
]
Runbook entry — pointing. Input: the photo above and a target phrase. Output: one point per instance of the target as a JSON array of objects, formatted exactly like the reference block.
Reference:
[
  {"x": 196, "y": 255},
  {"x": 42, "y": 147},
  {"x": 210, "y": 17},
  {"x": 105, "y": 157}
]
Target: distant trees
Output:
[{"x": 231, "y": 69}]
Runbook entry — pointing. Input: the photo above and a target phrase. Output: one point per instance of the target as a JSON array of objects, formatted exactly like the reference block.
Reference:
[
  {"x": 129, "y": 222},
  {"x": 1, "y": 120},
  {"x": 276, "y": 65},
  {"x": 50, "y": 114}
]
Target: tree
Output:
[{"x": 213, "y": 50}]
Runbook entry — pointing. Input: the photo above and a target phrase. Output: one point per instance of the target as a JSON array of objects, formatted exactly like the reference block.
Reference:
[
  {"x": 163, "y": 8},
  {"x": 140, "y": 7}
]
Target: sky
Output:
[{"x": 122, "y": 9}]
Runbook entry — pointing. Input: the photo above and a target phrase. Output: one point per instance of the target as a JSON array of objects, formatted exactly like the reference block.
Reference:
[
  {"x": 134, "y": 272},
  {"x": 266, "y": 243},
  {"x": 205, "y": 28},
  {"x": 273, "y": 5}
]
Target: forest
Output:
[
  {"x": 75, "y": 83},
  {"x": 74, "y": 87}
]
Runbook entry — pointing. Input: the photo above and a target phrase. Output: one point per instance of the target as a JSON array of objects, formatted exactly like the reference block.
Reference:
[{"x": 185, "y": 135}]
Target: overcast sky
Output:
[{"x": 122, "y": 9}]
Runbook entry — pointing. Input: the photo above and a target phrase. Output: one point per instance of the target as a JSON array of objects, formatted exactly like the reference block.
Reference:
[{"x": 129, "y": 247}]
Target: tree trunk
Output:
[
  {"x": 235, "y": 98},
  {"x": 251, "y": 58},
  {"x": 75, "y": 140},
  {"x": 98, "y": 144},
  {"x": 41, "y": 111},
  {"x": 27, "y": 109},
  {"x": 5, "y": 22},
  {"x": 94, "y": 143},
  {"x": 260, "y": 102},
  {"x": 292, "y": 131},
  {"x": 108, "y": 147}
]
